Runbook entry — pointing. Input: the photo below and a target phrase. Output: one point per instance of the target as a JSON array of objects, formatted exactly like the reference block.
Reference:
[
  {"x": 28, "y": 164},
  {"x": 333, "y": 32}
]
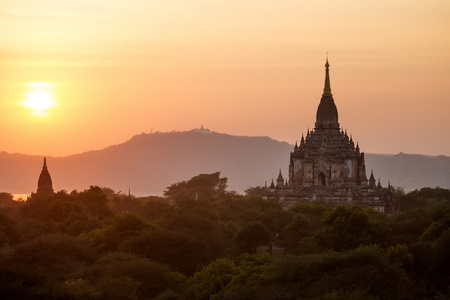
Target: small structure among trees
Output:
[{"x": 45, "y": 185}]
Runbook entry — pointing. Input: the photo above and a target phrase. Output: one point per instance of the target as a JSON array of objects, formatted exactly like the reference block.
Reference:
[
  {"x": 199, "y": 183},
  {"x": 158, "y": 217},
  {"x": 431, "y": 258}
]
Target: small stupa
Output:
[{"x": 45, "y": 181}]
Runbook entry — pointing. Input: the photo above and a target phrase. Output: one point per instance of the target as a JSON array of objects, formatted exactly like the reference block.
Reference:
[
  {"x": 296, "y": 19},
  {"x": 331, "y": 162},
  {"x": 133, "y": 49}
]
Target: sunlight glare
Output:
[{"x": 39, "y": 98}]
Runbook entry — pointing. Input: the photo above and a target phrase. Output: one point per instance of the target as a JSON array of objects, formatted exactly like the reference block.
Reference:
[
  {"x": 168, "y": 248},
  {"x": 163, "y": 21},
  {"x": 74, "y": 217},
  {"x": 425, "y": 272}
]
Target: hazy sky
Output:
[{"x": 120, "y": 68}]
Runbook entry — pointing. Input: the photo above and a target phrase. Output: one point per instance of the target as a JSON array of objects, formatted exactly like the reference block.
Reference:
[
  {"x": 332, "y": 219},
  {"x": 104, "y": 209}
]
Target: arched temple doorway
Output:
[{"x": 322, "y": 179}]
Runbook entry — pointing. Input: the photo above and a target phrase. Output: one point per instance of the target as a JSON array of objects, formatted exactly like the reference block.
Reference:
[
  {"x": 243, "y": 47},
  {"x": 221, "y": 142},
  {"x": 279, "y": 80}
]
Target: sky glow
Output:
[{"x": 237, "y": 67}]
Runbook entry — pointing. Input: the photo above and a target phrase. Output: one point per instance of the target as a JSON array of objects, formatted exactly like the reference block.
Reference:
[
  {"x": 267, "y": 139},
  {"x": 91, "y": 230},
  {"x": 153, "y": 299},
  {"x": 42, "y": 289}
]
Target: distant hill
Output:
[
  {"x": 410, "y": 171},
  {"x": 148, "y": 163}
]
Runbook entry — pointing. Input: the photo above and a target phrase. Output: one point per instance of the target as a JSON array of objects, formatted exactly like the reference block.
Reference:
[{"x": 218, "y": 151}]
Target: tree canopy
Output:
[{"x": 200, "y": 241}]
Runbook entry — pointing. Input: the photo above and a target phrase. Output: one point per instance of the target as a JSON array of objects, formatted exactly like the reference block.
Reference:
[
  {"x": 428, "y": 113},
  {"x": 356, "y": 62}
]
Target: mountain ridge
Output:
[{"x": 147, "y": 163}]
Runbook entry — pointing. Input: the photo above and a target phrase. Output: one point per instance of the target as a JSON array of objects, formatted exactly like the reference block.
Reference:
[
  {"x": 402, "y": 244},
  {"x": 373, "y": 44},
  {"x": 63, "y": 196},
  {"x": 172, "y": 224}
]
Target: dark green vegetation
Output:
[{"x": 201, "y": 241}]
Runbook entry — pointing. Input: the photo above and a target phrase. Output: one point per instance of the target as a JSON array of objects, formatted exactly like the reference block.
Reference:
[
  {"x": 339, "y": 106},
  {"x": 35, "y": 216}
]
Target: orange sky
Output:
[{"x": 119, "y": 68}]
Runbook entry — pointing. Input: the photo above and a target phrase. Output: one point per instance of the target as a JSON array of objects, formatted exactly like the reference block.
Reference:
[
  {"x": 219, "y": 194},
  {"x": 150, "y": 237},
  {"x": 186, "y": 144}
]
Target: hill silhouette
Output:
[{"x": 148, "y": 163}]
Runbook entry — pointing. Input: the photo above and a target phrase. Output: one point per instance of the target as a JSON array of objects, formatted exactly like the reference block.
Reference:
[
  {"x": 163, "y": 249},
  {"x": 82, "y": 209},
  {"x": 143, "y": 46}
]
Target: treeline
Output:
[{"x": 201, "y": 241}]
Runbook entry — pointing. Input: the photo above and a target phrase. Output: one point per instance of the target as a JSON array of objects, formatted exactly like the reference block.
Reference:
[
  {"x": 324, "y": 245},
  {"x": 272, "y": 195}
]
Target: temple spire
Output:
[
  {"x": 327, "y": 88},
  {"x": 280, "y": 177},
  {"x": 45, "y": 185}
]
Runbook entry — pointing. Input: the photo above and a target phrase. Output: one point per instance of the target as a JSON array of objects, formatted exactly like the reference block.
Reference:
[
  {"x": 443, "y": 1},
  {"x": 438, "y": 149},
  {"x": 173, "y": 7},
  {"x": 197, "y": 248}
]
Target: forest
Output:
[{"x": 201, "y": 241}]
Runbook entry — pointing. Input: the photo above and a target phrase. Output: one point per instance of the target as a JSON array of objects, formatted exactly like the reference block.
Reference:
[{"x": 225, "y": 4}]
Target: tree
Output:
[
  {"x": 400, "y": 255},
  {"x": 250, "y": 237},
  {"x": 440, "y": 217},
  {"x": 154, "y": 208},
  {"x": 409, "y": 225},
  {"x": 211, "y": 280},
  {"x": 54, "y": 255},
  {"x": 347, "y": 227},
  {"x": 296, "y": 230},
  {"x": 299, "y": 233},
  {"x": 8, "y": 230},
  {"x": 121, "y": 228},
  {"x": 315, "y": 208},
  {"x": 96, "y": 201},
  {"x": 181, "y": 252},
  {"x": 125, "y": 203},
  {"x": 138, "y": 277},
  {"x": 17, "y": 282},
  {"x": 423, "y": 198},
  {"x": 6, "y": 199},
  {"x": 442, "y": 262},
  {"x": 225, "y": 278},
  {"x": 201, "y": 224},
  {"x": 363, "y": 273},
  {"x": 256, "y": 191},
  {"x": 203, "y": 186}
]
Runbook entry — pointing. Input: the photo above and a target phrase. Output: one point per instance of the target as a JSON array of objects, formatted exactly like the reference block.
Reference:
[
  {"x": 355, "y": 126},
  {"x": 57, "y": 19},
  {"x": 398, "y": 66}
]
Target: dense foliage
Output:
[{"x": 201, "y": 241}]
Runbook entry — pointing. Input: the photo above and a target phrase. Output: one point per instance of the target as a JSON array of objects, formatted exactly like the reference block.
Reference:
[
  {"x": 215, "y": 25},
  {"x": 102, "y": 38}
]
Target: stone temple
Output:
[
  {"x": 45, "y": 181},
  {"x": 327, "y": 166}
]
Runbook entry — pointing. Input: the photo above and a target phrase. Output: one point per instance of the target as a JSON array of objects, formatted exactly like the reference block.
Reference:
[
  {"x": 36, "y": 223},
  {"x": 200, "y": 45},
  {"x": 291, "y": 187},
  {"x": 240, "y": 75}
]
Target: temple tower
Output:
[
  {"x": 45, "y": 181},
  {"x": 327, "y": 165}
]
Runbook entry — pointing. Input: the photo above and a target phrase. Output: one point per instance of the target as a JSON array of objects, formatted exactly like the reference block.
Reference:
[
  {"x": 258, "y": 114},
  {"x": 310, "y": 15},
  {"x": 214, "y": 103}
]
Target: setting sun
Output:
[
  {"x": 249, "y": 68},
  {"x": 39, "y": 98}
]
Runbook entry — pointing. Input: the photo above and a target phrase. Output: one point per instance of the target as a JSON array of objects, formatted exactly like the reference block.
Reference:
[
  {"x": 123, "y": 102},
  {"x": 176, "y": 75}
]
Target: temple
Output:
[
  {"x": 45, "y": 181},
  {"x": 328, "y": 166}
]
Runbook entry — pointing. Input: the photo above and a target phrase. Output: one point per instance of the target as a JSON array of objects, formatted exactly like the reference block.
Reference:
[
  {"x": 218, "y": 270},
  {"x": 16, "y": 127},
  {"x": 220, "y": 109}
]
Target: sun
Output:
[{"x": 39, "y": 98}]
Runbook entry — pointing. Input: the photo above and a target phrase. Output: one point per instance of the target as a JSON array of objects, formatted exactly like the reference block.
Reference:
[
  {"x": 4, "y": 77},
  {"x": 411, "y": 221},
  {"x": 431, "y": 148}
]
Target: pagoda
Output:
[
  {"x": 328, "y": 166},
  {"x": 45, "y": 181}
]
